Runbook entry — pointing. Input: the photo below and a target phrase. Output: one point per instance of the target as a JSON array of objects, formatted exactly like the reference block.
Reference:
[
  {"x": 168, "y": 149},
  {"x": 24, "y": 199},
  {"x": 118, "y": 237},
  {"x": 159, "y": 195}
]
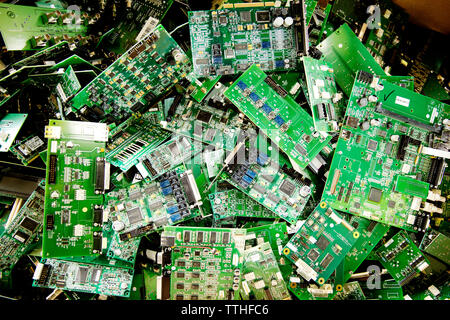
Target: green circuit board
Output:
[
  {"x": 379, "y": 170},
  {"x": 34, "y": 28},
  {"x": 235, "y": 203},
  {"x": 347, "y": 55},
  {"x": 83, "y": 277},
  {"x": 76, "y": 178},
  {"x": 228, "y": 41},
  {"x": 262, "y": 278},
  {"x": 389, "y": 290},
  {"x": 29, "y": 149},
  {"x": 401, "y": 257},
  {"x": 200, "y": 87},
  {"x": 133, "y": 139},
  {"x": 271, "y": 181},
  {"x": 370, "y": 233},
  {"x": 436, "y": 244},
  {"x": 167, "y": 156},
  {"x": 148, "y": 206},
  {"x": 278, "y": 116},
  {"x": 327, "y": 105},
  {"x": 20, "y": 234},
  {"x": 9, "y": 128},
  {"x": 433, "y": 293},
  {"x": 350, "y": 291},
  {"x": 137, "y": 78},
  {"x": 321, "y": 244},
  {"x": 218, "y": 127},
  {"x": 203, "y": 263}
]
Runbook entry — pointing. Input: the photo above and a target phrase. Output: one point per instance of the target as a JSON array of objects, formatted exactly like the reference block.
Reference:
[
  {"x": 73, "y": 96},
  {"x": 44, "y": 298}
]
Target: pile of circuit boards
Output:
[{"x": 172, "y": 150}]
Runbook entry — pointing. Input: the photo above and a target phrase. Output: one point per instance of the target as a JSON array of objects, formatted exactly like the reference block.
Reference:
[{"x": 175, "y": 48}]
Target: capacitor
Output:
[
  {"x": 375, "y": 122},
  {"x": 177, "y": 55},
  {"x": 305, "y": 191},
  {"x": 362, "y": 102},
  {"x": 395, "y": 137},
  {"x": 288, "y": 22},
  {"x": 365, "y": 125},
  {"x": 373, "y": 98},
  {"x": 118, "y": 226},
  {"x": 117, "y": 252},
  {"x": 278, "y": 22}
]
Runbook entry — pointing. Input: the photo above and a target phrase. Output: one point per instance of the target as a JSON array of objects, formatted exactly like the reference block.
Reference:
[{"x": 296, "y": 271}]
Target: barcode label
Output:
[{"x": 148, "y": 26}]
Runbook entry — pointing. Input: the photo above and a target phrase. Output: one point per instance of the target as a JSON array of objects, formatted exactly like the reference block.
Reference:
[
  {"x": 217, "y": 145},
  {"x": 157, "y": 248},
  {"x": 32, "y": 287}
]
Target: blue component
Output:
[
  {"x": 241, "y": 85},
  {"x": 279, "y": 120},
  {"x": 262, "y": 159},
  {"x": 164, "y": 183},
  {"x": 243, "y": 184},
  {"x": 254, "y": 96},
  {"x": 251, "y": 174},
  {"x": 167, "y": 191},
  {"x": 217, "y": 60},
  {"x": 279, "y": 64},
  {"x": 172, "y": 209},
  {"x": 175, "y": 217},
  {"x": 266, "y": 108},
  {"x": 265, "y": 44},
  {"x": 247, "y": 179}
]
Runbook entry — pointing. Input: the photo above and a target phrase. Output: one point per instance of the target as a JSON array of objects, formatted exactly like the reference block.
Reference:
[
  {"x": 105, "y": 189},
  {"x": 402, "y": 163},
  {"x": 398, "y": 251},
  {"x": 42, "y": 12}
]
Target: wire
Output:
[{"x": 181, "y": 25}]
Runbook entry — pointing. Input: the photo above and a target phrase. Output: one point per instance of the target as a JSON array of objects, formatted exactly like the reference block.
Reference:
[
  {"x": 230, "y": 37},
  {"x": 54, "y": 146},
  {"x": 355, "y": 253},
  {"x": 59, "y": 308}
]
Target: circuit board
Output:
[
  {"x": 218, "y": 127},
  {"x": 321, "y": 244},
  {"x": 401, "y": 257},
  {"x": 347, "y": 55},
  {"x": 436, "y": 244},
  {"x": 82, "y": 277},
  {"x": 228, "y": 41},
  {"x": 388, "y": 290},
  {"x": 133, "y": 139},
  {"x": 350, "y": 291},
  {"x": 278, "y": 116},
  {"x": 381, "y": 169},
  {"x": 370, "y": 233},
  {"x": 270, "y": 181},
  {"x": 167, "y": 156},
  {"x": 326, "y": 102},
  {"x": 20, "y": 234},
  {"x": 234, "y": 203},
  {"x": 9, "y": 128},
  {"x": 144, "y": 72},
  {"x": 200, "y": 87},
  {"x": 76, "y": 179},
  {"x": 113, "y": 247},
  {"x": 148, "y": 206},
  {"x": 203, "y": 263},
  {"x": 262, "y": 276},
  {"x": 32, "y": 28}
]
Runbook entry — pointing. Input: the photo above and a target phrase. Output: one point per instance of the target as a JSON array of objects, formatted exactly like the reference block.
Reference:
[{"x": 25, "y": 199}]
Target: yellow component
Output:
[
  {"x": 356, "y": 234},
  {"x": 200, "y": 52},
  {"x": 148, "y": 87},
  {"x": 102, "y": 149},
  {"x": 84, "y": 209},
  {"x": 339, "y": 287},
  {"x": 175, "y": 81},
  {"x": 250, "y": 47},
  {"x": 169, "y": 68},
  {"x": 240, "y": 28},
  {"x": 321, "y": 281},
  {"x": 249, "y": 27},
  {"x": 111, "y": 82},
  {"x": 323, "y": 204},
  {"x": 293, "y": 285},
  {"x": 160, "y": 75},
  {"x": 286, "y": 251}
]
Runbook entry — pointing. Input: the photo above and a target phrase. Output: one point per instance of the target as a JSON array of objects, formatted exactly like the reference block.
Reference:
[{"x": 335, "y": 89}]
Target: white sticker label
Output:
[{"x": 402, "y": 101}]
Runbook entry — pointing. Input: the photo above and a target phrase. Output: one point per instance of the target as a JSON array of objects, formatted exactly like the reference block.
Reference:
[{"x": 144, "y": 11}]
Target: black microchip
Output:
[
  {"x": 273, "y": 198},
  {"x": 204, "y": 116},
  {"x": 195, "y": 275},
  {"x": 352, "y": 122},
  {"x": 179, "y": 297},
  {"x": 181, "y": 263},
  {"x": 372, "y": 145},
  {"x": 180, "y": 286},
  {"x": 226, "y": 238},
  {"x": 199, "y": 236},
  {"x": 196, "y": 264},
  {"x": 195, "y": 286},
  {"x": 180, "y": 274},
  {"x": 21, "y": 236},
  {"x": 313, "y": 255},
  {"x": 287, "y": 187},
  {"x": 187, "y": 236},
  {"x": 134, "y": 215},
  {"x": 322, "y": 243},
  {"x": 50, "y": 222},
  {"x": 391, "y": 204},
  {"x": 29, "y": 224},
  {"x": 213, "y": 237},
  {"x": 263, "y": 16},
  {"x": 326, "y": 261},
  {"x": 375, "y": 194},
  {"x": 300, "y": 149}
]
